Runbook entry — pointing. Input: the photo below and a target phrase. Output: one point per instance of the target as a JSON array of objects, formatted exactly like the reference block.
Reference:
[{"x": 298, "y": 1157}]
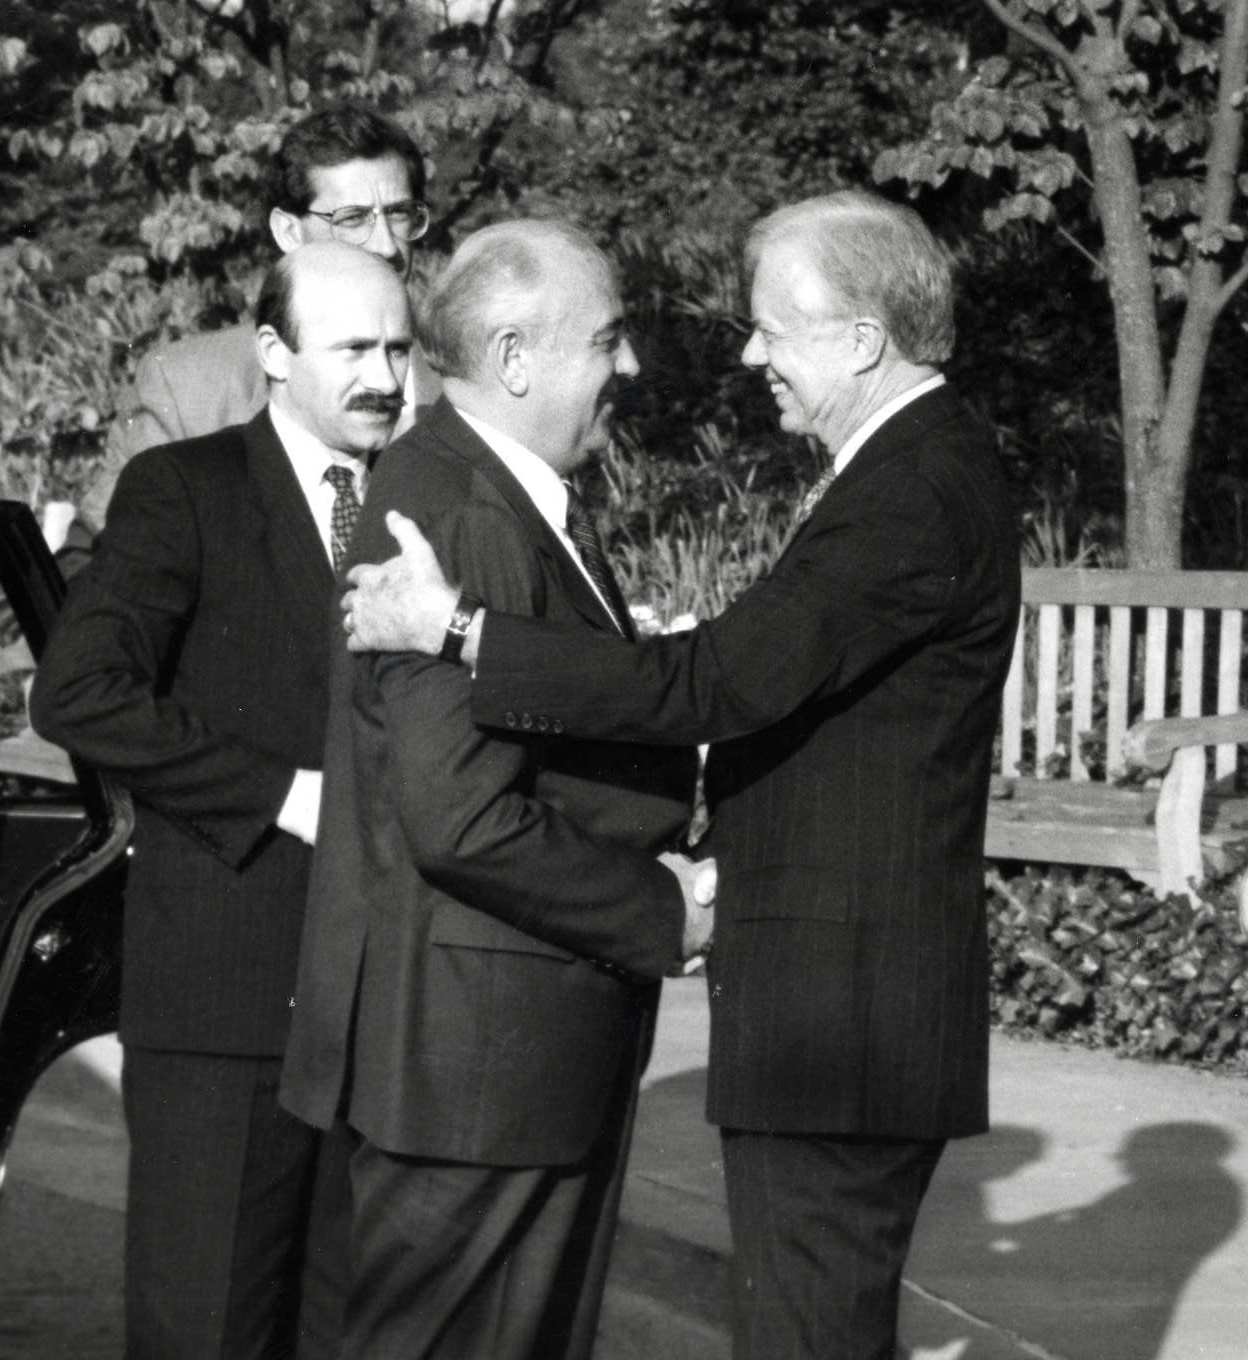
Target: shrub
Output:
[
  {"x": 1084, "y": 956},
  {"x": 688, "y": 535}
]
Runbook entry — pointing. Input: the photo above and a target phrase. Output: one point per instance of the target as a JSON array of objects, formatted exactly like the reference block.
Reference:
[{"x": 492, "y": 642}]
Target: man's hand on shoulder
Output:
[
  {"x": 698, "y": 881},
  {"x": 403, "y": 604}
]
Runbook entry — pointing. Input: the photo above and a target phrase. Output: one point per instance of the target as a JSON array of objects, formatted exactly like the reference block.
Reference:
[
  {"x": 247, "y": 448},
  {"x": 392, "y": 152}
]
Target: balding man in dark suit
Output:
[
  {"x": 190, "y": 663},
  {"x": 489, "y": 915}
]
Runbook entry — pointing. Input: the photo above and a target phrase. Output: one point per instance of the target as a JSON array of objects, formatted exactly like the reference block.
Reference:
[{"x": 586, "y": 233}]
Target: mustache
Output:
[{"x": 377, "y": 403}]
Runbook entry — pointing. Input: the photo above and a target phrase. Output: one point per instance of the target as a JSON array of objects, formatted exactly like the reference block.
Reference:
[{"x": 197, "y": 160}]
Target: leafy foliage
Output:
[
  {"x": 1090, "y": 959},
  {"x": 1119, "y": 124},
  {"x": 1018, "y": 125}
]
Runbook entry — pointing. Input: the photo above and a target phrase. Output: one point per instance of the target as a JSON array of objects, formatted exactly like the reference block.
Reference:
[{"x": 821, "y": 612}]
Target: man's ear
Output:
[
  {"x": 508, "y": 359},
  {"x": 287, "y": 230},
  {"x": 273, "y": 353},
  {"x": 870, "y": 342}
]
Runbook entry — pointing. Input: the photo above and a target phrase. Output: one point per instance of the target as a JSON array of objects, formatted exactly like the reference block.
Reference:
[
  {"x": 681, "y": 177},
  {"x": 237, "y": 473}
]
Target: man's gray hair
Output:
[
  {"x": 500, "y": 276},
  {"x": 876, "y": 257}
]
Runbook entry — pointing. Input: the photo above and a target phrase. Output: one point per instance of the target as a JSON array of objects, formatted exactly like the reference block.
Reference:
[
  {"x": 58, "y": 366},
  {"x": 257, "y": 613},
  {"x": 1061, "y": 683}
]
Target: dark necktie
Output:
[
  {"x": 584, "y": 534},
  {"x": 346, "y": 511}
]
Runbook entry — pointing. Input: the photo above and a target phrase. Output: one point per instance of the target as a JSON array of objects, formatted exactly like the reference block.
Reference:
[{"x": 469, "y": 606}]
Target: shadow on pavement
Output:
[{"x": 1101, "y": 1278}]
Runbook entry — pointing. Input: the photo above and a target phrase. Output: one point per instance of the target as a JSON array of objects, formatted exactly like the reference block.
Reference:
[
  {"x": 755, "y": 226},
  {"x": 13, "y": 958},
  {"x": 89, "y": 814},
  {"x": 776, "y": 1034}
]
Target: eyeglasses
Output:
[{"x": 354, "y": 224}]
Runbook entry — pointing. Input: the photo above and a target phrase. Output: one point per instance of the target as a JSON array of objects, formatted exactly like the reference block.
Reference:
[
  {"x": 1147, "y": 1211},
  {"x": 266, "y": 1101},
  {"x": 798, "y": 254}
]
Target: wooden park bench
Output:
[{"x": 1118, "y": 675}]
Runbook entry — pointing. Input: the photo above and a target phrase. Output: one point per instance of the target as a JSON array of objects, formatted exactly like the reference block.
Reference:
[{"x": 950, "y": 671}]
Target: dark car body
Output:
[{"x": 62, "y": 871}]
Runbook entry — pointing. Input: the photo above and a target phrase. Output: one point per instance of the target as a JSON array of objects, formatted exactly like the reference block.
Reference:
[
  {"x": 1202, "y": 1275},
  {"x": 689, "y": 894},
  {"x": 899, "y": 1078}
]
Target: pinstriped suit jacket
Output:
[
  {"x": 853, "y": 695},
  {"x": 190, "y": 662}
]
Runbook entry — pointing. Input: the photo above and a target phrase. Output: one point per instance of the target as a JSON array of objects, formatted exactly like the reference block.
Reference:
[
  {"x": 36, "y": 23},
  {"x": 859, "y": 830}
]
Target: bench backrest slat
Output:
[
  {"x": 1107, "y": 635},
  {"x": 1192, "y": 674},
  {"x": 1156, "y": 621},
  {"x": 1118, "y": 679},
  {"x": 1230, "y": 650}
]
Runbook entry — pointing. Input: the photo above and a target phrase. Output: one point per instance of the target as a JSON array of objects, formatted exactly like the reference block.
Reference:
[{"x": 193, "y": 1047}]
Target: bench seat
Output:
[{"x": 1062, "y": 822}]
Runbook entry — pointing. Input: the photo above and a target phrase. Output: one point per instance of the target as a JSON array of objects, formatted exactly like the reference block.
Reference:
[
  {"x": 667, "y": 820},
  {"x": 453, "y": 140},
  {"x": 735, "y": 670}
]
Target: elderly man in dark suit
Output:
[
  {"x": 488, "y": 917},
  {"x": 852, "y": 696},
  {"x": 191, "y": 664}
]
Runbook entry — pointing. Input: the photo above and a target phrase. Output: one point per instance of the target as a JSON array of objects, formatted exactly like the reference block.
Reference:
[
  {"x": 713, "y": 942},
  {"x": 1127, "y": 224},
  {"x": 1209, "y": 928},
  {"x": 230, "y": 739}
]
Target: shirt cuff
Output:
[{"x": 302, "y": 807}]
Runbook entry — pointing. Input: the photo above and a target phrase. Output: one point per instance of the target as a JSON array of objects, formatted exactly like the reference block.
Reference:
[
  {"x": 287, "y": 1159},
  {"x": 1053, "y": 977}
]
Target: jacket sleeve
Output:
[
  {"x": 855, "y": 590},
  {"x": 147, "y": 415},
  {"x": 103, "y": 688},
  {"x": 470, "y": 813}
]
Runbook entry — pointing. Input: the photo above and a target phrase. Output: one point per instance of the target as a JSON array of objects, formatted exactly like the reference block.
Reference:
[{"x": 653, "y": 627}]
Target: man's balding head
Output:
[
  {"x": 526, "y": 327},
  {"x": 333, "y": 332},
  {"x": 522, "y": 274}
]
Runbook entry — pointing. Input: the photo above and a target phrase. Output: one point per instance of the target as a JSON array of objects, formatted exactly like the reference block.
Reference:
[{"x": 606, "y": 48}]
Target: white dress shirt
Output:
[
  {"x": 543, "y": 485},
  {"x": 309, "y": 458},
  {"x": 890, "y": 408}
]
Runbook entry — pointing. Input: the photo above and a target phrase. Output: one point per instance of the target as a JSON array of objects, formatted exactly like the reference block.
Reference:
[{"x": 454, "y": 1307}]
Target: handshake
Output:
[{"x": 698, "y": 881}]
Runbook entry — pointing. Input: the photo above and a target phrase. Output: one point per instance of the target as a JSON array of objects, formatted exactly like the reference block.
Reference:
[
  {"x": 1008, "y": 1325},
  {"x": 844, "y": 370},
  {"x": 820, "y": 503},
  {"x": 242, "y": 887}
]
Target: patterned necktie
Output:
[
  {"x": 346, "y": 511},
  {"x": 806, "y": 507},
  {"x": 584, "y": 534}
]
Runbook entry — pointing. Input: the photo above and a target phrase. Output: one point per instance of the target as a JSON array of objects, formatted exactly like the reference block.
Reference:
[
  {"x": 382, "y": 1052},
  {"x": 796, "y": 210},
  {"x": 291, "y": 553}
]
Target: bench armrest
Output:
[
  {"x": 1152, "y": 742},
  {"x": 1177, "y": 746}
]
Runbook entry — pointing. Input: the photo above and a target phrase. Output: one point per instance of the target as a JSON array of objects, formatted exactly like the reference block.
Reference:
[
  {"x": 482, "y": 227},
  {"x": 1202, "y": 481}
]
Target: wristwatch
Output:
[{"x": 461, "y": 620}]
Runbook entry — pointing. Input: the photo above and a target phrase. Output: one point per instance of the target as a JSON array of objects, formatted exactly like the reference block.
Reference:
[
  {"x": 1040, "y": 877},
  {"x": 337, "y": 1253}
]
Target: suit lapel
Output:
[
  {"x": 282, "y": 522},
  {"x": 892, "y": 440},
  {"x": 445, "y": 425}
]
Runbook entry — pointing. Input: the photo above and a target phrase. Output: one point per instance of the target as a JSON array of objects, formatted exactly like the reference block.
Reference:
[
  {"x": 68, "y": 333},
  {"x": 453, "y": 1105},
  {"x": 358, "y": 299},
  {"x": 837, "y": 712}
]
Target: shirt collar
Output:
[
  {"x": 890, "y": 408},
  {"x": 309, "y": 457},
  {"x": 541, "y": 482}
]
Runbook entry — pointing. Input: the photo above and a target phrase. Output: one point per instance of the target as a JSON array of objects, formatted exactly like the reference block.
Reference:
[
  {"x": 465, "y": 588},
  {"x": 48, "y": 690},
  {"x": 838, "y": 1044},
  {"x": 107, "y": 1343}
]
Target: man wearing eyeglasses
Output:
[{"x": 345, "y": 174}]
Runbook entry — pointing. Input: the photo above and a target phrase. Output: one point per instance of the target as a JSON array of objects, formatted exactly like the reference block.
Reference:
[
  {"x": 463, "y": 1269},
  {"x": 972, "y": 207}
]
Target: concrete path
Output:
[{"x": 1103, "y": 1219}]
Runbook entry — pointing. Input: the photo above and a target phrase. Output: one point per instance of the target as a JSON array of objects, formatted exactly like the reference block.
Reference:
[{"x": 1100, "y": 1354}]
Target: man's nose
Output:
[
  {"x": 754, "y": 355},
  {"x": 626, "y": 364},
  {"x": 382, "y": 240},
  {"x": 385, "y": 371}
]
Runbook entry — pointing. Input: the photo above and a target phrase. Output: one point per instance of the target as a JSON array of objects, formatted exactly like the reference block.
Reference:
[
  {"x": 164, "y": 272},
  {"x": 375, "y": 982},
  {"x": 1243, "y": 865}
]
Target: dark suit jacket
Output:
[
  {"x": 190, "y": 663},
  {"x": 464, "y": 884},
  {"x": 854, "y": 694}
]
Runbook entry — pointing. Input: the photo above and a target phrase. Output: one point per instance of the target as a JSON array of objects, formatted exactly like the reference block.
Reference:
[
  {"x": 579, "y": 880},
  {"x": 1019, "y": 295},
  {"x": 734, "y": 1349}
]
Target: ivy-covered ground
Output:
[{"x": 1089, "y": 957}]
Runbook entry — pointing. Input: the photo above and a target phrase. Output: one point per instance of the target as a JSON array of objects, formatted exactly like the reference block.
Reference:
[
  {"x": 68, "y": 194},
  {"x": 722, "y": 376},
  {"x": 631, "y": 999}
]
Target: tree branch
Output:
[
  {"x": 1097, "y": 264},
  {"x": 1126, "y": 20},
  {"x": 1038, "y": 37},
  {"x": 1096, "y": 16},
  {"x": 1232, "y": 285}
]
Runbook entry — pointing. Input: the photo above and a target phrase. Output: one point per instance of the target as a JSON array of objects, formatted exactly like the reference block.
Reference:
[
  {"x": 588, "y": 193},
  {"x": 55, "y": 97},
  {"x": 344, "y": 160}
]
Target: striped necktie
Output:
[
  {"x": 345, "y": 512},
  {"x": 584, "y": 534}
]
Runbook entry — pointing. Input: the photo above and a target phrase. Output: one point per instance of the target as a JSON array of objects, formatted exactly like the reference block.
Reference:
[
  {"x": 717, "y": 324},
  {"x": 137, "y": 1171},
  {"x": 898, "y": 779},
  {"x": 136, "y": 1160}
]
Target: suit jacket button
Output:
[
  {"x": 527, "y": 722},
  {"x": 509, "y": 718},
  {"x": 543, "y": 723},
  {"x": 556, "y": 727}
]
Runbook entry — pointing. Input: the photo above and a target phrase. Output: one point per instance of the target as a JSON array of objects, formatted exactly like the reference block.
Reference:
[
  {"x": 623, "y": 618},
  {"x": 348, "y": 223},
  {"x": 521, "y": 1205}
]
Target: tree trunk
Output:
[
  {"x": 1206, "y": 293},
  {"x": 1152, "y": 528}
]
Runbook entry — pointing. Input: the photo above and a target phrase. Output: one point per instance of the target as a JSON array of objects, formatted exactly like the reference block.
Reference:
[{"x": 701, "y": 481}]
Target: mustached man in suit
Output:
[
  {"x": 343, "y": 174},
  {"x": 489, "y": 915},
  {"x": 191, "y": 664},
  {"x": 852, "y": 696}
]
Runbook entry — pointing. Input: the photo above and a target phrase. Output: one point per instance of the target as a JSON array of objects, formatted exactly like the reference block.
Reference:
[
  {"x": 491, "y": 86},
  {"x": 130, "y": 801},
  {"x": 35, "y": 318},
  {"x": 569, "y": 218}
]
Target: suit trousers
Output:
[
  {"x": 238, "y": 1215},
  {"x": 820, "y": 1226},
  {"x": 457, "y": 1261}
]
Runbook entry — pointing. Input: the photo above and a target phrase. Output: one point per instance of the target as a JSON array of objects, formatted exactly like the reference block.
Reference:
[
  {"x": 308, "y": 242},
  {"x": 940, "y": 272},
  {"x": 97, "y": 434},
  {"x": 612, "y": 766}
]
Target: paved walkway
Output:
[{"x": 1105, "y": 1218}]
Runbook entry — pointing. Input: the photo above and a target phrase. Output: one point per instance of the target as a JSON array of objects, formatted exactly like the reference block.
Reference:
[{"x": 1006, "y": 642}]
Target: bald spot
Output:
[{"x": 331, "y": 282}]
